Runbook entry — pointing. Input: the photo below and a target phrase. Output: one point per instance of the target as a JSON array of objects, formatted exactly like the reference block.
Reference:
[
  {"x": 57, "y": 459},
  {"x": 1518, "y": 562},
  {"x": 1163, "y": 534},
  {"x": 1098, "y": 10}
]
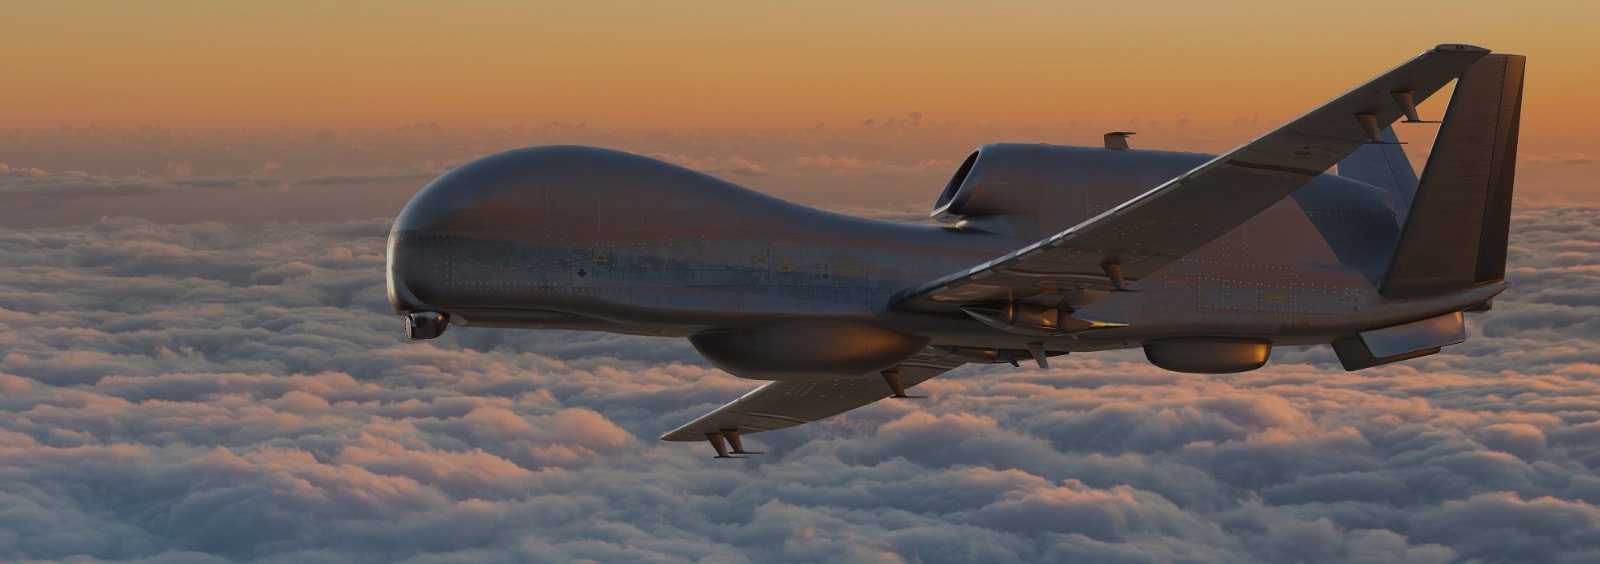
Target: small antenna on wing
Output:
[
  {"x": 1117, "y": 139},
  {"x": 1369, "y": 124},
  {"x": 1408, "y": 106},
  {"x": 896, "y": 385}
]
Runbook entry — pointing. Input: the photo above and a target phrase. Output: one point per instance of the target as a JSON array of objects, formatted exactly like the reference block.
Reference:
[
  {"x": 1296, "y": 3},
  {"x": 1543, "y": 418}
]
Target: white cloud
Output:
[{"x": 198, "y": 392}]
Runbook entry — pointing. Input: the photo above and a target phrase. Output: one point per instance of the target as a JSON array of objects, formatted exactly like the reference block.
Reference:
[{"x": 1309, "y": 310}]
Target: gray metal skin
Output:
[
  {"x": 566, "y": 237},
  {"x": 1201, "y": 260}
]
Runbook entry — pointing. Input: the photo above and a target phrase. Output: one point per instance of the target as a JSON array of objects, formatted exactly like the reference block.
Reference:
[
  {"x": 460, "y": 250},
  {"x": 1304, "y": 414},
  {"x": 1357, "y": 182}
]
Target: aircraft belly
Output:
[{"x": 653, "y": 278}]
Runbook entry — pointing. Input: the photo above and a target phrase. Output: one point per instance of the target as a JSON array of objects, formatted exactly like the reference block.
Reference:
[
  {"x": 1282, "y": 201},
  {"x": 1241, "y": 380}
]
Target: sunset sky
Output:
[
  {"x": 199, "y": 363},
  {"x": 743, "y": 64},
  {"x": 1187, "y": 75}
]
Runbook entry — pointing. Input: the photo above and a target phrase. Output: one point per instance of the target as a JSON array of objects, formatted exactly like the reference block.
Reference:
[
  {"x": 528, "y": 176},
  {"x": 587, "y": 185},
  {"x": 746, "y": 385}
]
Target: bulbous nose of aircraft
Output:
[
  {"x": 491, "y": 194},
  {"x": 503, "y": 197},
  {"x": 468, "y": 244},
  {"x": 405, "y": 269}
]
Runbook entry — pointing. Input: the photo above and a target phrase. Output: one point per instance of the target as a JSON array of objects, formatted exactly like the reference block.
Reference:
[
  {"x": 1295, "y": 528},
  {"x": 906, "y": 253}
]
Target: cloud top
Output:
[{"x": 202, "y": 393}]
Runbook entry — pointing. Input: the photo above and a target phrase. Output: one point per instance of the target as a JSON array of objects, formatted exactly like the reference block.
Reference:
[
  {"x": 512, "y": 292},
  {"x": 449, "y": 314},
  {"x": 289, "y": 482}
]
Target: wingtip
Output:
[{"x": 1459, "y": 47}]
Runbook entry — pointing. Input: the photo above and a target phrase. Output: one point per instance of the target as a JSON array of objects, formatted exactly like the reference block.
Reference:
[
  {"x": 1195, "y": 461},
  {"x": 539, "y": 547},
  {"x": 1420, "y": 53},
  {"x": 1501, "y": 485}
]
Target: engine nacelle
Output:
[
  {"x": 806, "y": 350},
  {"x": 1032, "y": 190},
  {"x": 1205, "y": 355}
]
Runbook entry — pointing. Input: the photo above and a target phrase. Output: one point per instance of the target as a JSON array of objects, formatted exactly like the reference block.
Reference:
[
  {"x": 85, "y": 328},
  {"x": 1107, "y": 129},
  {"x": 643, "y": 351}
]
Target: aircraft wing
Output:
[
  {"x": 1117, "y": 248},
  {"x": 776, "y": 405}
]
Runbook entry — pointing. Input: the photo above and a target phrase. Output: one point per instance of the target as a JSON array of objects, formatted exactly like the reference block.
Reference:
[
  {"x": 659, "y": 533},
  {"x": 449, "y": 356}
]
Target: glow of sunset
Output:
[{"x": 269, "y": 64}]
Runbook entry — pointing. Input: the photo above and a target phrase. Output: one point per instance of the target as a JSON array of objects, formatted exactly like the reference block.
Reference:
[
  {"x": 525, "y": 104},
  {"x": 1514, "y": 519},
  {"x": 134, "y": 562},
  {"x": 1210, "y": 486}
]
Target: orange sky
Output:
[
  {"x": 1012, "y": 67},
  {"x": 259, "y": 63}
]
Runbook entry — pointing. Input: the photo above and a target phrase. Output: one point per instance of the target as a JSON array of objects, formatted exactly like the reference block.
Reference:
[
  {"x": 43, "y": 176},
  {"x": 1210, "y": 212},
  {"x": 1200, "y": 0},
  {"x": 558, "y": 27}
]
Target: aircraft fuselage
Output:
[{"x": 591, "y": 239}]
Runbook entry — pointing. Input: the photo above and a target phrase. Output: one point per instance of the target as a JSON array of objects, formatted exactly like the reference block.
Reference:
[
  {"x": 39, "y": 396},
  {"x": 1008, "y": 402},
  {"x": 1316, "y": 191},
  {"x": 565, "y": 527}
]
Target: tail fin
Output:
[
  {"x": 1384, "y": 165},
  {"x": 1455, "y": 232}
]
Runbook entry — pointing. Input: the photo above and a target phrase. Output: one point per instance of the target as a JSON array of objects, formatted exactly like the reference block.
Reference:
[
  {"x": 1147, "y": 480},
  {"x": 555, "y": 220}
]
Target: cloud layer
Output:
[
  {"x": 65, "y": 176},
  {"x": 206, "y": 393}
]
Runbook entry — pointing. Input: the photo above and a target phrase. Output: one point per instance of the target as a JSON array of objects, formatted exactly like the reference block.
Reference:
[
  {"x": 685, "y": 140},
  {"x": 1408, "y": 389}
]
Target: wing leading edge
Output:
[
  {"x": 776, "y": 405},
  {"x": 1122, "y": 245}
]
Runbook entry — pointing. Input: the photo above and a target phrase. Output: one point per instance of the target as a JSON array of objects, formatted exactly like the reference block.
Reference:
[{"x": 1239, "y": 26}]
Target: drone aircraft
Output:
[{"x": 1316, "y": 232}]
